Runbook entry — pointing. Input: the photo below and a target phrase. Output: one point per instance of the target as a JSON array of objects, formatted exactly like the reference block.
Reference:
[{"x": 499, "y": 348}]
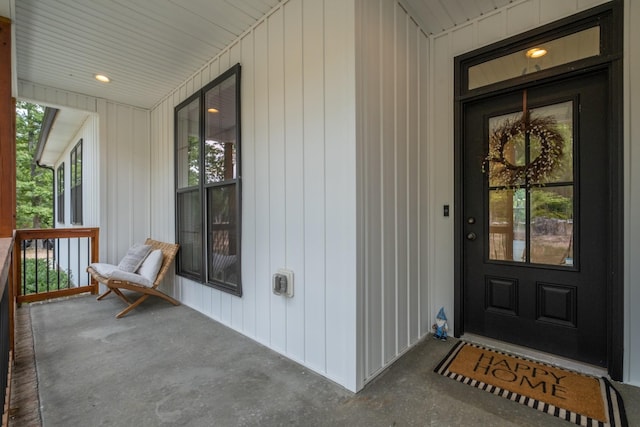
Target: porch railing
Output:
[
  {"x": 6, "y": 326},
  {"x": 51, "y": 263}
]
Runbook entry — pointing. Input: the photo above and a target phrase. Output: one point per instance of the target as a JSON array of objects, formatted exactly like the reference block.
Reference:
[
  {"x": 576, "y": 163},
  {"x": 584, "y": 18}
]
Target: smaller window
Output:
[
  {"x": 76, "y": 184},
  {"x": 60, "y": 187},
  {"x": 536, "y": 57}
]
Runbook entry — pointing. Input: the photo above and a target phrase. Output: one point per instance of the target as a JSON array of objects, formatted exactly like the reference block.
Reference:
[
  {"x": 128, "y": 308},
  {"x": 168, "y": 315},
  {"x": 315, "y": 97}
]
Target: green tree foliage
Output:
[
  {"x": 48, "y": 278},
  {"x": 551, "y": 204},
  {"x": 34, "y": 191}
]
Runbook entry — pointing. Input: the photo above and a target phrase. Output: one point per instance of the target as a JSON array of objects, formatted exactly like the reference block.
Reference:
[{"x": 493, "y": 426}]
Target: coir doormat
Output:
[{"x": 572, "y": 396}]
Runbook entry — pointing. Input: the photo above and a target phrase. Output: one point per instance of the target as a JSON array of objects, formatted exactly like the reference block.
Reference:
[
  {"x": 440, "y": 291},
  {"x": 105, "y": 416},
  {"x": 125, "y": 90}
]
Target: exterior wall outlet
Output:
[{"x": 282, "y": 283}]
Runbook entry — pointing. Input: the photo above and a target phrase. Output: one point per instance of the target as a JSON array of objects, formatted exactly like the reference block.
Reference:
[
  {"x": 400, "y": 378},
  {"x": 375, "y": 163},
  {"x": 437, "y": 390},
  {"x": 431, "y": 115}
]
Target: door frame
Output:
[{"x": 609, "y": 17}]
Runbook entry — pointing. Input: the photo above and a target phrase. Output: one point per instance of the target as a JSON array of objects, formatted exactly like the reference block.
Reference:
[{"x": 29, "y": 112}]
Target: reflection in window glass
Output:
[
  {"x": 507, "y": 220},
  {"x": 220, "y": 133},
  {"x": 531, "y": 185},
  {"x": 580, "y": 45},
  {"x": 188, "y": 144},
  {"x": 562, "y": 114},
  {"x": 552, "y": 226},
  {"x": 190, "y": 232},
  {"x": 223, "y": 243},
  {"x": 512, "y": 150}
]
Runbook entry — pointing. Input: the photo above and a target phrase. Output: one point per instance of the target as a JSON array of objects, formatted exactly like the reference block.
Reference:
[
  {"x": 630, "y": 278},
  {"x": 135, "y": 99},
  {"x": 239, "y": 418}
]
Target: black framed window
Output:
[
  {"x": 207, "y": 152},
  {"x": 76, "y": 184},
  {"x": 60, "y": 190}
]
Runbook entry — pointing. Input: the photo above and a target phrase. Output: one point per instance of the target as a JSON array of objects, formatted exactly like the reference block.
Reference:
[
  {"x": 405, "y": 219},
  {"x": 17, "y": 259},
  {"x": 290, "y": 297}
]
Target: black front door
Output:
[{"x": 535, "y": 210}]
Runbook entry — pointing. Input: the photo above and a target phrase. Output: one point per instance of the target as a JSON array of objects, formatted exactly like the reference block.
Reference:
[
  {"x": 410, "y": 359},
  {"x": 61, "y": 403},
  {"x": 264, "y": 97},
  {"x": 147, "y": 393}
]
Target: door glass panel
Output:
[
  {"x": 552, "y": 226},
  {"x": 531, "y": 185},
  {"x": 558, "y": 118},
  {"x": 507, "y": 219},
  {"x": 509, "y": 148}
]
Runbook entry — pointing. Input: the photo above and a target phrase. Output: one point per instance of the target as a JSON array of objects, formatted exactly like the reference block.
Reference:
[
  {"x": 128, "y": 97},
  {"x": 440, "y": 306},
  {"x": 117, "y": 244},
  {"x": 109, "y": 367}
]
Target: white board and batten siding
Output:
[
  {"x": 392, "y": 81},
  {"x": 298, "y": 182},
  {"x": 125, "y": 158}
]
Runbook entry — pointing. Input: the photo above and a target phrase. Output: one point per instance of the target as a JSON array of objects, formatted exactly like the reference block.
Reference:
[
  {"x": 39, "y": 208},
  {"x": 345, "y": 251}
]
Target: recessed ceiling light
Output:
[
  {"x": 213, "y": 110},
  {"x": 536, "y": 52},
  {"x": 102, "y": 78}
]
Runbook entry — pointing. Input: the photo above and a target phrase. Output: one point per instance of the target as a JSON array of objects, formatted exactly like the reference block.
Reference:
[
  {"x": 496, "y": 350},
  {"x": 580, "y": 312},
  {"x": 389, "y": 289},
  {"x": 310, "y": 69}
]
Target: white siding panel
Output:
[
  {"x": 125, "y": 168},
  {"x": 236, "y": 306},
  {"x": 413, "y": 176},
  {"x": 369, "y": 143},
  {"x": 294, "y": 161},
  {"x": 491, "y": 28},
  {"x": 551, "y": 9},
  {"x": 461, "y": 36},
  {"x": 523, "y": 16},
  {"x": 425, "y": 76},
  {"x": 248, "y": 172},
  {"x": 313, "y": 27},
  {"x": 389, "y": 316},
  {"x": 392, "y": 128},
  {"x": 340, "y": 190},
  {"x": 277, "y": 175},
  {"x": 401, "y": 164},
  {"x": 586, "y": 4},
  {"x": 263, "y": 220},
  {"x": 441, "y": 177}
]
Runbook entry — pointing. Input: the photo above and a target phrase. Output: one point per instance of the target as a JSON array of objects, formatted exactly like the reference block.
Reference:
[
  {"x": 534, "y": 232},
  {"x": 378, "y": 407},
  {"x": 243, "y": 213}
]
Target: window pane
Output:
[
  {"x": 552, "y": 226},
  {"x": 190, "y": 233},
  {"x": 511, "y": 149},
  {"x": 188, "y": 145},
  {"x": 223, "y": 234},
  {"x": 76, "y": 184},
  {"x": 220, "y": 132},
  {"x": 580, "y": 45},
  {"x": 77, "y": 179},
  {"x": 60, "y": 199},
  {"x": 560, "y": 165},
  {"x": 507, "y": 219}
]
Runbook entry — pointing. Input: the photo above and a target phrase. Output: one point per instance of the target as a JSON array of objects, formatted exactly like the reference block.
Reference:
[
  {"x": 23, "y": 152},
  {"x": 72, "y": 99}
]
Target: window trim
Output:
[
  {"x": 60, "y": 194},
  {"x": 203, "y": 187},
  {"x": 75, "y": 188}
]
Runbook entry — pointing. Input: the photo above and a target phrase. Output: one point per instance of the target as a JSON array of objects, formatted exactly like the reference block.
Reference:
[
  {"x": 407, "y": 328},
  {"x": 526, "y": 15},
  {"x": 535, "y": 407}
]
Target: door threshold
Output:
[{"x": 536, "y": 355}]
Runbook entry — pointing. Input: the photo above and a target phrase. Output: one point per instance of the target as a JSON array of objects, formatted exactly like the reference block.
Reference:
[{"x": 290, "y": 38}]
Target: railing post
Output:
[{"x": 95, "y": 257}]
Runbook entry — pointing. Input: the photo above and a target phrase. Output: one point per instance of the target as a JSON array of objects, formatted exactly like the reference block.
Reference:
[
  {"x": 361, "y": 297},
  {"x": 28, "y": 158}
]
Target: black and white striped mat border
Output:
[{"x": 613, "y": 401}]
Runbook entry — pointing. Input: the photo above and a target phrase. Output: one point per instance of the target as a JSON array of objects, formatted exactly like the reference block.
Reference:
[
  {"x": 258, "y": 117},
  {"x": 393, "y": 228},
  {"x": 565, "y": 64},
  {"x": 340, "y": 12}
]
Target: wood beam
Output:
[{"x": 7, "y": 135}]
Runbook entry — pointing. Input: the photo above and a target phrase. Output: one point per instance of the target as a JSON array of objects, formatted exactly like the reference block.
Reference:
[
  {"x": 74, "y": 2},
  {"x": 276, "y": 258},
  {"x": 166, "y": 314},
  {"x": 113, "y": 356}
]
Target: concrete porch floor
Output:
[{"x": 166, "y": 366}]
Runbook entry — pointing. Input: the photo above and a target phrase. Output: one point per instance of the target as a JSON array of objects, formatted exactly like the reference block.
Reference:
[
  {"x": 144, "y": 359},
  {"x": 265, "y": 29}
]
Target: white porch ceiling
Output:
[
  {"x": 148, "y": 47},
  {"x": 436, "y": 16}
]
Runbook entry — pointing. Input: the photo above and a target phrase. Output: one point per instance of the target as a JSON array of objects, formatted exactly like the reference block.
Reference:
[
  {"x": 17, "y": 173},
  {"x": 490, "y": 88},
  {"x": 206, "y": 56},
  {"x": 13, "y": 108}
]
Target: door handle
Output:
[{"x": 471, "y": 236}]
